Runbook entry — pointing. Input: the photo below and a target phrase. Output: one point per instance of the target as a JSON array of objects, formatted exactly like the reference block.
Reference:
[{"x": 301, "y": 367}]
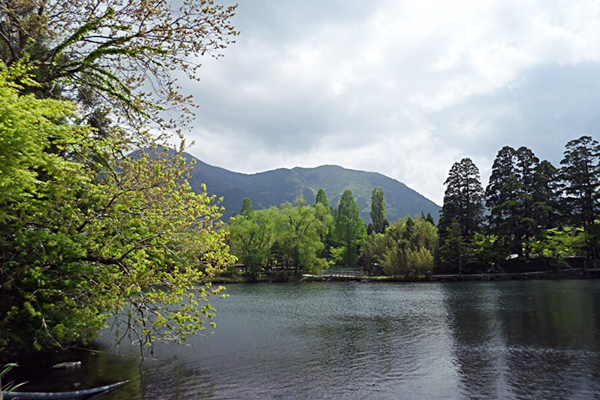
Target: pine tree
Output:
[
  {"x": 581, "y": 178},
  {"x": 463, "y": 200},
  {"x": 501, "y": 198},
  {"x": 520, "y": 195}
]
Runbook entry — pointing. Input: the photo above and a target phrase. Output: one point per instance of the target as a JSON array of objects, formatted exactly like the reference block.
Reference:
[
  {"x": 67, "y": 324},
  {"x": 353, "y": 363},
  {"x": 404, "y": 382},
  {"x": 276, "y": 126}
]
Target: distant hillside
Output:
[{"x": 272, "y": 188}]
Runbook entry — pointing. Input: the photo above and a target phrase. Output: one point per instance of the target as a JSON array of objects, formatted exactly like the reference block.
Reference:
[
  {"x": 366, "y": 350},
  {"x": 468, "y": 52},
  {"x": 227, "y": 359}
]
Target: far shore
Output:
[{"x": 567, "y": 273}]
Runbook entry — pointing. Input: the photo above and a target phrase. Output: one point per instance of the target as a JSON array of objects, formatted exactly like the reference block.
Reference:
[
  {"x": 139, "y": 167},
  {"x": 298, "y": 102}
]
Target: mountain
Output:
[{"x": 272, "y": 188}]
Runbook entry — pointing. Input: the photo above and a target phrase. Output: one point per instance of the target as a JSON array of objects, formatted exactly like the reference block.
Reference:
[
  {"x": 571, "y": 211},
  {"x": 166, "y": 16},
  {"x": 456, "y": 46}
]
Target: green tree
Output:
[
  {"x": 374, "y": 247},
  {"x": 463, "y": 200},
  {"x": 517, "y": 196},
  {"x": 325, "y": 227},
  {"x": 412, "y": 246},
  {"x": 247, "y": 208},
  {"x": 407, "y": 248},
  {"x": 252, "y": 237},
  {"x": 454, "y": 252},
  {"x": 321, "y": 198},
  {"x": 85, "y": 234},
  {"x": 378, "y": 219},
  {"x": 124, "y": 53},
  {"x": 580, "y": 174},
  {"x": 349, "y": 228},
  {"x": 299, "y": 236}
]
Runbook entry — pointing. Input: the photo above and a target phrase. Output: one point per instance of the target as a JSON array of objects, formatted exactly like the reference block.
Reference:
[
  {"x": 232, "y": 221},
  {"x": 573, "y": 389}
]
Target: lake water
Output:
[{"x": 472, "y": 340}]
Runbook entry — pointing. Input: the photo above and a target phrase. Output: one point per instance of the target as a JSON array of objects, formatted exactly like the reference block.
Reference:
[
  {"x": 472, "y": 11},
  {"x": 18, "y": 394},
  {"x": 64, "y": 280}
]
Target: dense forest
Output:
[{"x": 531, "y": 216}]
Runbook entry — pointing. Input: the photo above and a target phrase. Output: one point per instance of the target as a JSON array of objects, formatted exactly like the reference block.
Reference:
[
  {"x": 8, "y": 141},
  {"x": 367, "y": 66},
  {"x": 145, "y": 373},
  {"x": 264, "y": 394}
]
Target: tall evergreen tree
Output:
[
  {"x": 520, "y": 195},
  {"x": 349, "y": 228},
  {"x": 502, "y": 200},
  {"x": 322, "y": 198},
  {"x": 463, "y": 200},
  {"x": 580, "y": 173},
  {"x": 378, "y": 218},
  {"x": 325, "y": 215}
]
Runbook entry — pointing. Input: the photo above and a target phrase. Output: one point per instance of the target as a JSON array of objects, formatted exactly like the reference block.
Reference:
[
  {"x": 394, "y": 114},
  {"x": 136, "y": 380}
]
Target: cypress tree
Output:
[
  {"x": 463, "y": 200},
  {"x": 580, "y": 174},
  {"x": 349, "y": 228},
  {"x": 378, "y": 218}
]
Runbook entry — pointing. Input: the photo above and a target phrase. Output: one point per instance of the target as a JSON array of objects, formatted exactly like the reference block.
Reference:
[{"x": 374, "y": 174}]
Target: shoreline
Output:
[{"x": 561, "y": 274}]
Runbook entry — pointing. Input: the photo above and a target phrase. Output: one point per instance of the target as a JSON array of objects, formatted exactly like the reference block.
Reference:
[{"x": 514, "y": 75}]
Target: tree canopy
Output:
[
  {"x": 85, "y": 231},
  {"x": 120, "y": 53},
  {"x": 84, "y": 235}
]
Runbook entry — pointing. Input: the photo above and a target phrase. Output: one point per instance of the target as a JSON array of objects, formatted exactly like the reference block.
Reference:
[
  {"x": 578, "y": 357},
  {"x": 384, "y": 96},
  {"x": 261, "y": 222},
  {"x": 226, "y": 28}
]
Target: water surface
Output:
[{"x": 471, "y": 340}]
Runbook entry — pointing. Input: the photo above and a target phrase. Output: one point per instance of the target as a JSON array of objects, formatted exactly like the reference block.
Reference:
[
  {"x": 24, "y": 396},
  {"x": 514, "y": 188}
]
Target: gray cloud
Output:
[{"x": 399, "y": 87}]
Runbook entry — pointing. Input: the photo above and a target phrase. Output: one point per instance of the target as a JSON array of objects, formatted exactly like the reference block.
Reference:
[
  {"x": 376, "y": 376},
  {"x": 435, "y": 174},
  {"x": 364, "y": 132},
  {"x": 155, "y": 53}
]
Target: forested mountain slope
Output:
[{"x": 272, "y": 188}]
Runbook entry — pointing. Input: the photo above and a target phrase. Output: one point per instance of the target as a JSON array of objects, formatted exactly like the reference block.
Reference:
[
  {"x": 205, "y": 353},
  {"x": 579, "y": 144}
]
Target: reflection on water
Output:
[
  {"x": 526, "y": 339},
  {"x": 359, "y": 340}
]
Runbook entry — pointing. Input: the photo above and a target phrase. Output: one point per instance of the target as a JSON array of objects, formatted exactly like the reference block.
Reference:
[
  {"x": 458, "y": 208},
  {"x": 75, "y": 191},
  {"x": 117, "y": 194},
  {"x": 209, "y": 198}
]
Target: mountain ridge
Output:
[{"x": 274, "y": 187}]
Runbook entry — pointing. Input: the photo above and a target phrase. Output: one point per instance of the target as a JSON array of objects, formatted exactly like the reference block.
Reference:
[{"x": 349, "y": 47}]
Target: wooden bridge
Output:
[
  {"x": 343, "y": 275},
  {"x": 591, "y": 266}
]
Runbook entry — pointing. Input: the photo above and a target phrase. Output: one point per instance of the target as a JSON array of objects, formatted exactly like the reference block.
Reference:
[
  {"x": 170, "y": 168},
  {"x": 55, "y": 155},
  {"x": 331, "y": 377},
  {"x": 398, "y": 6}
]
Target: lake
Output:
[{"x": 350, "y": 340}]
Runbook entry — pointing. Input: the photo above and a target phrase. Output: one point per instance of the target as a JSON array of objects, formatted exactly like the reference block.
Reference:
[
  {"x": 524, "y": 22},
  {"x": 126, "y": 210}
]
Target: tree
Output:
[
  {"x": 463, "y": 200},
  {"x": 85, "y": 234},
  {"x": 252, "y": 237},
  {"x": 321, "y": 198},
  {"x": 325, "y": 216},
  {"x": 349, "y": 228},
  {"x": 407, "y": 248},
  {"x": 247, "y": 208},
  {"x": 124, "y": 53},
  {"x": 300, "y": 236},
  {"x": 520, "y": 196},
  {"x": 92, "y": 232},
  {"x": 378, "y": 220},
  {"x": 580, "y": 174},
  {"x": 454, "y": 252}
]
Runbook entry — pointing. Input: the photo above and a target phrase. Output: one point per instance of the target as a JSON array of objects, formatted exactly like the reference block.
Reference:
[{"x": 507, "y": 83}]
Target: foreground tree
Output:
[
  {"x": 120, "y": 55},
  {"x": 580, "y": 173},
  {"x": 454, "y": 252},
  {"x": 85, "y": 235}
]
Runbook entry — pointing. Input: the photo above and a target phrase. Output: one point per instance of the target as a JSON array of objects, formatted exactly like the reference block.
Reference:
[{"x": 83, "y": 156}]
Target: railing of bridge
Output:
[
  {"x": 343, "y": 273},
  {"x": 591, "y": 265}
]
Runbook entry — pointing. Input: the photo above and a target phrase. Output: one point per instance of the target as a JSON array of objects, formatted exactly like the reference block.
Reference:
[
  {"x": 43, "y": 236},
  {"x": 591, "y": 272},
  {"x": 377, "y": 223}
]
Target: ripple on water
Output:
[{"x": 385, "y": 341}]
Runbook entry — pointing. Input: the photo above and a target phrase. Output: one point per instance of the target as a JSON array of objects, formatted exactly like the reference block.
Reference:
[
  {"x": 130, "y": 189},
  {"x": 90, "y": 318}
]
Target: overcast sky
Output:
[{"x": 401, "y": 87}]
